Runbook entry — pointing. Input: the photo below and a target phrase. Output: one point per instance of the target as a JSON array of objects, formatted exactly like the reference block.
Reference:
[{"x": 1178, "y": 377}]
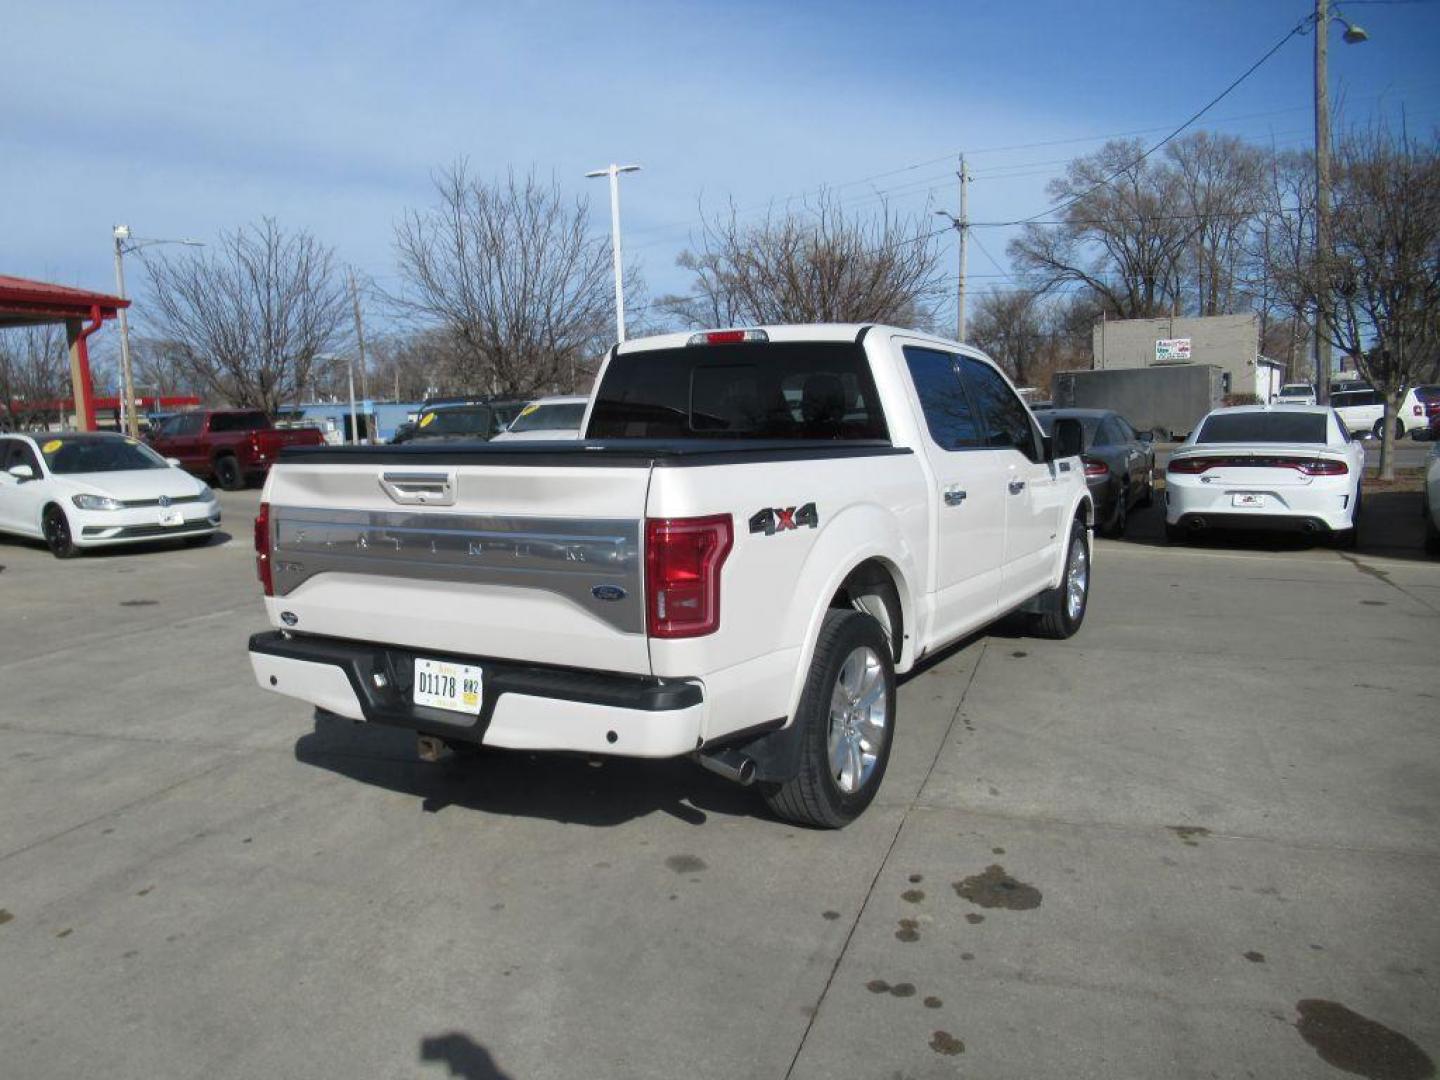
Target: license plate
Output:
[
  {"x": 443, "y": 685},
  {"x": 172, "y": 516},
  {"x": 1247, "y": 498}
]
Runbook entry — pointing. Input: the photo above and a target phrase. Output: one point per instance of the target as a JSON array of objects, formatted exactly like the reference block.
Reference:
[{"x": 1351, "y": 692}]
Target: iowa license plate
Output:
[{"x": 443, "y": 685}]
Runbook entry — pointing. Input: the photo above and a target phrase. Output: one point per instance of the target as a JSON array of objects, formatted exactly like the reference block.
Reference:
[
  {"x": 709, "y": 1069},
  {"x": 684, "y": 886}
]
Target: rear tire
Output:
[
  {"x": 1062, "y": 609},
  {"x": 228, "y": 474},
  {"x": 846, "y": 713},
  {"x": 56, "y": 527},
  {"x": 1120, "y": 516},
  {"x": 1147, "y": 497}
]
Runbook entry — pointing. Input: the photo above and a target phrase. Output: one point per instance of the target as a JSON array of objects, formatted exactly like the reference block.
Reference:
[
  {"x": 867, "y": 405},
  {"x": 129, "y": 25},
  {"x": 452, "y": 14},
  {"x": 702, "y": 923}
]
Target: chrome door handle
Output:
[
  {"x": 1017, "y": 486},
  {"x": 954, "y": 496}
]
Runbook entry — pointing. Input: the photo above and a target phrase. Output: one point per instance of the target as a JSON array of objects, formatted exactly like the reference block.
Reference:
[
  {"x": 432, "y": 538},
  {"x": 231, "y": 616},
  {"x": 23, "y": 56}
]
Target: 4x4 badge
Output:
[{"x": 779, "y": 519}]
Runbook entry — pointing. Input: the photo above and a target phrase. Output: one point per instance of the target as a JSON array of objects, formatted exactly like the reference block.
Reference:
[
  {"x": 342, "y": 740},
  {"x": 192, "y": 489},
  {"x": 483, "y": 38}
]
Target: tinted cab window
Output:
[
  {"x": 1006, "y": 421},
  {"x": 948, "y": 412}
]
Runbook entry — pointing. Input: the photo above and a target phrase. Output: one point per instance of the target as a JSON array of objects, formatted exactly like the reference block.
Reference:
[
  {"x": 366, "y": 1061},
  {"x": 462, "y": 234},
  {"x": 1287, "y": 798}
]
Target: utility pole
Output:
[
  {"x": 613, "y": 172},
  {"x": 360, "y": 340},
  {"x": 961, "y": 225},
  {"x": 1322, "y": 189},
  {"x": 964, "y": 228},
  {"x": 127, "y": 383}
]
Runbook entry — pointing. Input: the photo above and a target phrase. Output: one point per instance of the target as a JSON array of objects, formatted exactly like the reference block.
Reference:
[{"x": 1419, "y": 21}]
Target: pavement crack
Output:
[
  {"x": 1383, "y": 576},
  {"x": 884, "y": 862},
  {"x": 141, "y": 801}
]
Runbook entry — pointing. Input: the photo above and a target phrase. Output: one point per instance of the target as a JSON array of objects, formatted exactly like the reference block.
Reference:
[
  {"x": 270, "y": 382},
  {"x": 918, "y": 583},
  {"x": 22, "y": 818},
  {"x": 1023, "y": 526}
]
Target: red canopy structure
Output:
[{"x": 29, "y": 303}]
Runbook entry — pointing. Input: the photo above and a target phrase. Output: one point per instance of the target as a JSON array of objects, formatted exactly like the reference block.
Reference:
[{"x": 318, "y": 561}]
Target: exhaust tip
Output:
[{"x": 731, "y": 764}]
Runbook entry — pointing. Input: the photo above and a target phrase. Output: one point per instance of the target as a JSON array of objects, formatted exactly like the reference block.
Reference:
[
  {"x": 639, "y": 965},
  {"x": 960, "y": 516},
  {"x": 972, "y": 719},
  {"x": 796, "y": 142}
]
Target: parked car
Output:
[
  {"x": 1264, "y": 467},
  {"x": 1362, "y": 410},
  {"x": 453, "y": 423},
  {"x": 1430, "y": 500},
  {"x": 1119, "y": 463},
  {"x": 546, "y": 418},
  {"x": 762, "y": 527},
  {"x": 1296, "y": 393},
  {"x": 78, "y": 490},
  {"x": 233, "y": 447}
]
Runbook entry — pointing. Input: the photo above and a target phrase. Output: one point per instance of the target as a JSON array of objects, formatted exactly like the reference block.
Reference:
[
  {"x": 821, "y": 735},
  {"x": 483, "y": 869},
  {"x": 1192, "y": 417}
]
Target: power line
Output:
[{"x": 1061, "y": 207}]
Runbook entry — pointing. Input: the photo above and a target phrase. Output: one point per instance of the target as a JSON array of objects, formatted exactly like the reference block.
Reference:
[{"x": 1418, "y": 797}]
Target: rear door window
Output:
[{"x": 948, "y": 412}]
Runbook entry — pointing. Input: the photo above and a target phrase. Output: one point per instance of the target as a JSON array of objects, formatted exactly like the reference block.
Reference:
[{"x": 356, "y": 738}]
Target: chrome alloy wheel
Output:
[
  {"x": 859, "y": 711},
  {"x": 1077, "y": 579}
]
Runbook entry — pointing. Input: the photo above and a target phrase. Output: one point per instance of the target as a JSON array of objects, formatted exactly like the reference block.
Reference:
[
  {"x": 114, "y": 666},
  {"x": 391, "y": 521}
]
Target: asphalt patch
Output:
[
  {"x": 686, "y": 864},
  {"x": 1359, "y": 1045},
  {"x": 913, "y": 896},
  {"x": 909, "y": 930},
  {"x": 1255, "y": 957},
  {"x": 1189, "y": 834},
  {"x": 138, "y": 603},
  {"x": 942, "y": 1042},
  {"x": 997, "y": 889}
]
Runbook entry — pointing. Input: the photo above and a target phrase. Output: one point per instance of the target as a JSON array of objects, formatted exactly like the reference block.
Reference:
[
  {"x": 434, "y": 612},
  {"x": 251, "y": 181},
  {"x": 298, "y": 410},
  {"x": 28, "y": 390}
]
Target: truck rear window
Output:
[
  {"x": 238, "y": 421},
  {"x": 754, "y": 390}
]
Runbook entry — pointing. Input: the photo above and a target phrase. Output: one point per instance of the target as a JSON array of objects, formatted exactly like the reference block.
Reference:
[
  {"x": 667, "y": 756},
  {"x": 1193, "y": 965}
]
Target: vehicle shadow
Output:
[
  {"x": 1390, "y": 526},
  {"x": 120, "y": 551},
  {"x": 559, "y": 787},
  {"x": 463, "y": 1055}
]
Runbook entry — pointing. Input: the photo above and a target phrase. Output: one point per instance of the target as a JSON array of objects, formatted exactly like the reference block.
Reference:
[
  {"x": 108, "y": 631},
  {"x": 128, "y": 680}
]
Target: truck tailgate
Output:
[{"x": 533, "y": 563}]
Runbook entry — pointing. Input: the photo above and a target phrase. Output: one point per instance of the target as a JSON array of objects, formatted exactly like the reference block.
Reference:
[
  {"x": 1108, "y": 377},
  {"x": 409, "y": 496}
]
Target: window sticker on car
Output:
[
  {"x": 427, "y": 419},
  {"x": 51, "y": 446},
  {"x": 780, "y": 519}
]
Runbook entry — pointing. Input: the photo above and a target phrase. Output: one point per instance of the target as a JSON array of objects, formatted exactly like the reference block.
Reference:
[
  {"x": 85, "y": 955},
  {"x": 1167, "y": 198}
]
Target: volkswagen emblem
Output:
[{"x": 164, "y": 500}]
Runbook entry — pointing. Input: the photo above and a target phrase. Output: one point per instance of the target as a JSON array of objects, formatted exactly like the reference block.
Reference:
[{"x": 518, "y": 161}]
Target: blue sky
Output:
[{"x": 186, "y": 119}]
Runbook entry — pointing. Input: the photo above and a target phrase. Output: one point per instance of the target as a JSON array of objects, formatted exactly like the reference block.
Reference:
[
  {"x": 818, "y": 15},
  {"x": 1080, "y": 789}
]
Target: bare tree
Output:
[
  {"x": 1009, "y": 326},
  {"x": 250, "y": 319},
  {"x": 512, "y": 275},
  {"x": 1280, "y": 246},
  {"x": 1122, "y": 233},
  {"x": 817, "y": 264},
  {"x": 1221, "y": 179},
  {"x": 1379, "y": 286},
  {"x": 34, "y": 373}
]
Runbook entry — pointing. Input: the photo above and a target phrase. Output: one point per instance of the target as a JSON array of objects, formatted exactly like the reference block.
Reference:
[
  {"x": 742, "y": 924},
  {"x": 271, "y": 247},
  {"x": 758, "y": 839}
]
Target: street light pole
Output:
[
  {"x": 122, "y": 235},
  {"x": 1353, "y": 36},
  {"x": 613, "y": 172},
  {"x": 127, "y": 385}
]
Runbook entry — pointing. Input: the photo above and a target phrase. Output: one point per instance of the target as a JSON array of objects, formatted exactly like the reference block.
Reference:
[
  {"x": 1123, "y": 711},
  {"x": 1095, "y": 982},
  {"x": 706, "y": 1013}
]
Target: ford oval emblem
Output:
[
  {"x": 289, "y": 618},
  {"x": 607, "y": 592}
]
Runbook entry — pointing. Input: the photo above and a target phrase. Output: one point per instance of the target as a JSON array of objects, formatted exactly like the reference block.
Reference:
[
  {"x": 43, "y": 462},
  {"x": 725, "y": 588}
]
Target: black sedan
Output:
[{"x": 1119, "y": 463}]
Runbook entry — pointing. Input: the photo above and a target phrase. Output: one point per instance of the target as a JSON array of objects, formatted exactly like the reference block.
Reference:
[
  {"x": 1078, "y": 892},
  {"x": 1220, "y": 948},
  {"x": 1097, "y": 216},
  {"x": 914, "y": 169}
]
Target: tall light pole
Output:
[
  {"x": 1353, "y": 36},
  {"x": 125, "y": 242},
  {"x": 614, "y": 171},
  {"x": 962, "y": 226}
]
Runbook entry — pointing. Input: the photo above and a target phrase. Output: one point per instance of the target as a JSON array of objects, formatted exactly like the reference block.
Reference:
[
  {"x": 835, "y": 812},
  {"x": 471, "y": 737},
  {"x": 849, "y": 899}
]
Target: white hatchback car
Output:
[
  {"x": 1290, "y": 467},
  {"x": 78, "y": 490},
  {"x": 546, "y": 418}
]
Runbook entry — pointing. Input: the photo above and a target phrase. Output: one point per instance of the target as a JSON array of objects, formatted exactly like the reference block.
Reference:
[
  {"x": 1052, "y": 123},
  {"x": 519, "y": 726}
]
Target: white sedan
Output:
[
  {"x": 546, "y": 418},
  {"x": 78, "y": 490},
  {"x": 1292, "y": 468}
]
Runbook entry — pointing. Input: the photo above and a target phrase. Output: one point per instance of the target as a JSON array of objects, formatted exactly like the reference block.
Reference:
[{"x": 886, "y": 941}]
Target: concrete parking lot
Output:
[{"x": 1198, "y": 840}]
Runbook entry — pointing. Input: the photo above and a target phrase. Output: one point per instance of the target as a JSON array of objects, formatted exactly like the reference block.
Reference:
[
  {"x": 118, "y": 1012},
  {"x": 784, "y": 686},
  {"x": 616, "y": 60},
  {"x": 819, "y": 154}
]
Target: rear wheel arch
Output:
[{"x": 876, "y": 588}]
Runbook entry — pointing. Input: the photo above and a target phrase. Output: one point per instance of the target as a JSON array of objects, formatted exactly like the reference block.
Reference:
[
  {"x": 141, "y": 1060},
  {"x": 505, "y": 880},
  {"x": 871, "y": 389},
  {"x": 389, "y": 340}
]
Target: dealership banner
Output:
[{"x": 1172, "y": 349}]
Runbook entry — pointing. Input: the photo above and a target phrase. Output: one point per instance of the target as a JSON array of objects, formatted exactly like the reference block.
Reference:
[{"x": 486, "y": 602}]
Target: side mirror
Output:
[
  {"x": 174, "y": 462},
  {"x": 22, "y": 472},
  {"x": 1147, "y": 436},
  {"x": 1067, "y": 438}
]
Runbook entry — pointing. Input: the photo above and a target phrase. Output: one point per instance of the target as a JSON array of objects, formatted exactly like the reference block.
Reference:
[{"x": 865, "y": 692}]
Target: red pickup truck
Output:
[{"x": 234, "y": 446}]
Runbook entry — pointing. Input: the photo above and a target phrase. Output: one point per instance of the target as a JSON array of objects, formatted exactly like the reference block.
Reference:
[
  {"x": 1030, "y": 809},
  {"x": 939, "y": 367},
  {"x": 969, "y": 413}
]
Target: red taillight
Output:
[
  {"x": 727, "y": 337},
  {"x": 1190, "y": 465},
  {"x": 1095, "y": 468},
  {"x": 1322, "y": 467},
  {"x": 683, "y": 557},
  {"x": 262, "y": 549}
]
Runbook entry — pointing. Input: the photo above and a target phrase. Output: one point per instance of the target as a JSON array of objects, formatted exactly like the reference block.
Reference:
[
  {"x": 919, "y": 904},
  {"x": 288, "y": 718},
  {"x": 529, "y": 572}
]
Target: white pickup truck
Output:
[{"x": 759, "y": 529}]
